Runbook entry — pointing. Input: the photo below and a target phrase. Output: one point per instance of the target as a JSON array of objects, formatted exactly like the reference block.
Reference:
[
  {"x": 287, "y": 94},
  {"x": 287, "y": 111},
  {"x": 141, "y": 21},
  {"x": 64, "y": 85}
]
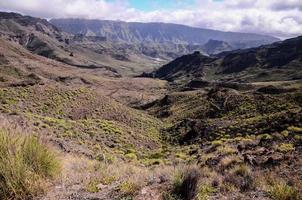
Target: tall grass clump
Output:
[
  {"x": 282, "y": 191},
  {"x": 186, "y": 183},
  {"x": 25, "y": 166}
]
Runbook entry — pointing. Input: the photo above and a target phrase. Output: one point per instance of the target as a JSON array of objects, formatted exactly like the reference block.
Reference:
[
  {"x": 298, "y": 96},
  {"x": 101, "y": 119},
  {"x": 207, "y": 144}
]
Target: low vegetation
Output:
[
  {"x": 279, "y": 190},
  {"x": 26, "y": 164},
  {"x": 216, "y": 137}
]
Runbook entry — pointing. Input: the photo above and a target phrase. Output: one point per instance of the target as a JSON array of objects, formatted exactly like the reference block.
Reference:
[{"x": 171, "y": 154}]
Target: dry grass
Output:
[
  {"x": 229, "y": 161},
  {"x": 25, "y": 166},
  {"x": 279, "y": 190},
  {"x": 240, "y": 177},
  {"x": 185, "y": 185},
  {"x": 123, "y": 179},
  {"x": 192, "y": 182}
]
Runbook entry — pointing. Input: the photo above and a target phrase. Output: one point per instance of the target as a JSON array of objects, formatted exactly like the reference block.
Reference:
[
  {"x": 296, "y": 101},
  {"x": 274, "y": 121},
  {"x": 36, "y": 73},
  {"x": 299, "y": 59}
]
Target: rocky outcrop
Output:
[
  {"x": 278, "y": 61},
  {"x": 187, "y": 65}
]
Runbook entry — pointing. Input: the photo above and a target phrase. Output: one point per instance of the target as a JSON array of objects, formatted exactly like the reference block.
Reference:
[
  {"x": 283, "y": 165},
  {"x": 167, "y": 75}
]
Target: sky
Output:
[{"x": 280, "y": 18}]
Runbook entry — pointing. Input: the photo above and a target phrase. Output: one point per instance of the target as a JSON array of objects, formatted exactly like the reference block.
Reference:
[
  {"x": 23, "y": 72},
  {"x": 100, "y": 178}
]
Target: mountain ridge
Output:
[
  {"x": 157, "y": 32},
  {"x": 277, "y": 61}
]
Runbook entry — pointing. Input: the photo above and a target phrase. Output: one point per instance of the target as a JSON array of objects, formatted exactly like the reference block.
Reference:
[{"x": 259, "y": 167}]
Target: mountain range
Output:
[
  {"x": 93, "y": 109},
  {"x": 134, "y": 32},
  {"x": 120, "y": 48}
]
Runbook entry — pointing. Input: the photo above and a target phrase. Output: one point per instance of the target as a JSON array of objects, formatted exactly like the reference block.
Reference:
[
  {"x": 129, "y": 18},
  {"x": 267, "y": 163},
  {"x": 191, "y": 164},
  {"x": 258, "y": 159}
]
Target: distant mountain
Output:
[
  {"x": 43, "y": 38},
  {"x": 188, "y": 64},
  {"x": 134, "y": 32},
  {"x": 216, "y": 46},
  {"x": 37, "y": 35},
  {"x": 278, "y": 61},
  {"x": 116, "y": 48}
]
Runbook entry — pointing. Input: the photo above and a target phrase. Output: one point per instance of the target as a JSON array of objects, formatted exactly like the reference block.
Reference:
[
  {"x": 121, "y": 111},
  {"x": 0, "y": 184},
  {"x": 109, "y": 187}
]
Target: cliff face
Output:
[{"x": 158, "y": 32}]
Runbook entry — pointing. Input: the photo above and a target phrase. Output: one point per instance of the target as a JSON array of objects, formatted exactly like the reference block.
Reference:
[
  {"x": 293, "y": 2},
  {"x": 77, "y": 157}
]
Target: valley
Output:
[{"x": 133, "y": 111}]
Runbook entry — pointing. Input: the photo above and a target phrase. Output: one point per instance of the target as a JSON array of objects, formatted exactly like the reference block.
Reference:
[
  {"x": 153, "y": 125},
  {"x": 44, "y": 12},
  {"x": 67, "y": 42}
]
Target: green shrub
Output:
[
  {"x": 295, "y": 129},
  {"x": 128, "y": 188},
  {"x": 282, "y": 191},
  {"x": 217, "y": 143},
  {"x": 131, "y": 156},
  {"x": 286, "y": 147},
  {"x": 25, "y": 165},
  {"x": 285, "y": 133},
  {"x": 205, "y": 191},
  {"x": 40, "y": 158},
  {"x": 240, "y": 177},
  {"x": 92, "y": 186}
]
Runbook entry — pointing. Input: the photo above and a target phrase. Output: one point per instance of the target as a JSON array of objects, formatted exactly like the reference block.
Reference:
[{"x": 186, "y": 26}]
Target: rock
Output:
[{"x": 101, "y": 186}]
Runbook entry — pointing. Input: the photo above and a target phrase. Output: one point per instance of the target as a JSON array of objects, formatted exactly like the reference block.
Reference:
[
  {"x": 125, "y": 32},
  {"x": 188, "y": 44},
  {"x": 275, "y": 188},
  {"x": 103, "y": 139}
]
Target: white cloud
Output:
[{"x": 281, "y": 18}]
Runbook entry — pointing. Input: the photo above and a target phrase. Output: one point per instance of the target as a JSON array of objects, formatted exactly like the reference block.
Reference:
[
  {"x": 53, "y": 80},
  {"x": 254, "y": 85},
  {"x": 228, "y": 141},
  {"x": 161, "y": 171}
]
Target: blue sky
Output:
[{"x": 150, "y": 5}]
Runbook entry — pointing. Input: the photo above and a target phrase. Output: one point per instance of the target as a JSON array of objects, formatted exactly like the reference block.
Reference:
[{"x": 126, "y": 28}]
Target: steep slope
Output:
[
  {"x": 274, "y": 62},
  {"x": 278, "y": 61},
  {"x": 186, "y": 66},
  {"x": 43, "y": 38},
  {"x": 216, "y": 46},
  {"x": 77, "y": 119},
  {"x": 76, "y": 108},
  {"x": 134, "y": 32},
  {"x": 18, "y": 66}
]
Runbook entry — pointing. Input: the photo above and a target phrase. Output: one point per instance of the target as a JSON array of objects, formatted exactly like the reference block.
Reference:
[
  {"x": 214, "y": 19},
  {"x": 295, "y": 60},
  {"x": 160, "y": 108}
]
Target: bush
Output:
[
  {"x": 129, "y": 188},
  {"x": 25, "y": 164},
  {"x": 286, "y": 147},
  {"x": 205, "y": 191},
  {"x": 186, "y": 183},
  {"x": 240, "y": 177},
  {"x": 41, "y": 159},
  {"x": 295, "y": 129},
  {"x": 131, "y": 156},
  {"x": 92, "y": 186},
  {"x": 282, "y": 191}
]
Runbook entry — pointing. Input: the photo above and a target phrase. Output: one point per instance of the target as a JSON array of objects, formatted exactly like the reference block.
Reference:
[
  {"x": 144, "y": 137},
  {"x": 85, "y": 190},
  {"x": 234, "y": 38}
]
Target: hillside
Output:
[
  {"x": 76, "y": 124},
  {"x": 276, "y": 62},
  {"x": 43, "y": 38},
  {"x": 187, "y": 65},
  {"x": 216, "y": 47}
]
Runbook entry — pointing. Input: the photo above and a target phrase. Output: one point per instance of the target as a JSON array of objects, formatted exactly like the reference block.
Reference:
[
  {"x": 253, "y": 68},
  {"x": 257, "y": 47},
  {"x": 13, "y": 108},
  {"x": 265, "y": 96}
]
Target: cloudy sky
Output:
[{"x": 281, "y": 18}]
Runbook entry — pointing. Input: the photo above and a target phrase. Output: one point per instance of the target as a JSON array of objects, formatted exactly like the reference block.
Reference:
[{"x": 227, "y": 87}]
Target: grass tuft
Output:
[
  {"x": 25, "y": 166},
  {"x": 282, "y": 191},
  {"x": 186, "y": 183}
]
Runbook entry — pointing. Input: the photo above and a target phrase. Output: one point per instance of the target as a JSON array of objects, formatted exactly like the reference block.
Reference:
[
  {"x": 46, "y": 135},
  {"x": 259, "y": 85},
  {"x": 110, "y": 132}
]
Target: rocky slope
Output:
[
  {"x": 188, "y": 65},
  {"x": 43, "y": 38},
  {"x": 119, "y": 55},
  {"x": 278, "y": 61},
  {"x": 216, "y": 46}
]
